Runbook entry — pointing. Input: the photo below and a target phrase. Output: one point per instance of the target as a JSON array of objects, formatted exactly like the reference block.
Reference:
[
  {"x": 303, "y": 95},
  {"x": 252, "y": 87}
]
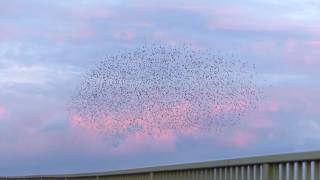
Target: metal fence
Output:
[{"x": 294, "y": 166}]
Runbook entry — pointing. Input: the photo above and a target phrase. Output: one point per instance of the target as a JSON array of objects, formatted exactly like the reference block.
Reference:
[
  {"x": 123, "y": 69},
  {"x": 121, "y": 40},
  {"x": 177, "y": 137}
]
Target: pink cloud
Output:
[
  {"x": 249, "y": 25},
  {"x": 258, "y": 120},
  {"x": 220, "y": 10},
  {"x": 263, "y": 47},
  {"x": 164, "y": 140},
  {"x": 3, "y": 111},
  {"x": 12, "y": 33},
  {"x": 41, "y": 143},
  {"x": 174, "y": 40},
  {"x": 309, "y": 52},
  {"x": 243, "y": 139},
  {"x": 312, "y": 54},
  {"x": 81, "y": 33},
  {"x": 125, "y": 35},
  {"x": 261, "y": 117},
  {"x": 88, "y": 13},
  {"x": 310, "y": 60},
  {"x": 242, "y": 18},
  {"x": 291, "y": 45},
  {"x": 147, "y": 138},
  {"x": 227, "y": 107},
  {"x": 304, "y": 52},
  {"x": 272, "y": 105},
  {"x": 302, "y": 98},
  {"x": 236, "y": 139},
  {"x": 315, "y": 43},
  {"x": 44, "y": 143},
  {"x": 144, "y": 24},
  {"x": 150, "y": 133},
  {"x": 165, "y": 37},
  {"x": 305, "y": 100}
]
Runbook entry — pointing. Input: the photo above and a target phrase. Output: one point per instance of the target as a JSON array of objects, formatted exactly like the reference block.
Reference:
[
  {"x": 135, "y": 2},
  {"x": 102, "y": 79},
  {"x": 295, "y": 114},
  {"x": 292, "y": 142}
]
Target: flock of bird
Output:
[{"x": 160, "y": 87}]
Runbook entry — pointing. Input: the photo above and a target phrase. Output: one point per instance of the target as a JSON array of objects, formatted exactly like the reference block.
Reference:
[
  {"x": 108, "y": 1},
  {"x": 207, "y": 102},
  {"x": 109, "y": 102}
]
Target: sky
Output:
[{"x": 46, "y": 46}]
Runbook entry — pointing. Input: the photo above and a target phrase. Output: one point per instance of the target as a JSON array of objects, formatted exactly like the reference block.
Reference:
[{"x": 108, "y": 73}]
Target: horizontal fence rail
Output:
[{"x": 294, "y": 166}]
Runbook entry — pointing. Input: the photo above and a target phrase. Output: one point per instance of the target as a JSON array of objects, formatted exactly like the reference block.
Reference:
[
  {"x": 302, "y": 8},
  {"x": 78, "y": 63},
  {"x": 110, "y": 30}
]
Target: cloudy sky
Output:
[{"x": 45, "y": 47}]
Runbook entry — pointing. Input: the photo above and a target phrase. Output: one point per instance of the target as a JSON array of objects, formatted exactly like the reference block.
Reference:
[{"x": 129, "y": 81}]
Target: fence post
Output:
[
  {"x": 267, "y": 172},
  {"x": 307, "y": 169},
  {"x": 151, "y": 176},
  {"x": 316, "y": 170}
]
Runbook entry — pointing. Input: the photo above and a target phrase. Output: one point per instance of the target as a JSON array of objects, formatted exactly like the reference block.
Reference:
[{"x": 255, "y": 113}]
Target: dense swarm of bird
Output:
[{"x": 160, "y": 87}]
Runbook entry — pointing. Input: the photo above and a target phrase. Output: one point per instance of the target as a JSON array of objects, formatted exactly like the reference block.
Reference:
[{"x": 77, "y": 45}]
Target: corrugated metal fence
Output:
[{"x": 295, "y": 166}]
